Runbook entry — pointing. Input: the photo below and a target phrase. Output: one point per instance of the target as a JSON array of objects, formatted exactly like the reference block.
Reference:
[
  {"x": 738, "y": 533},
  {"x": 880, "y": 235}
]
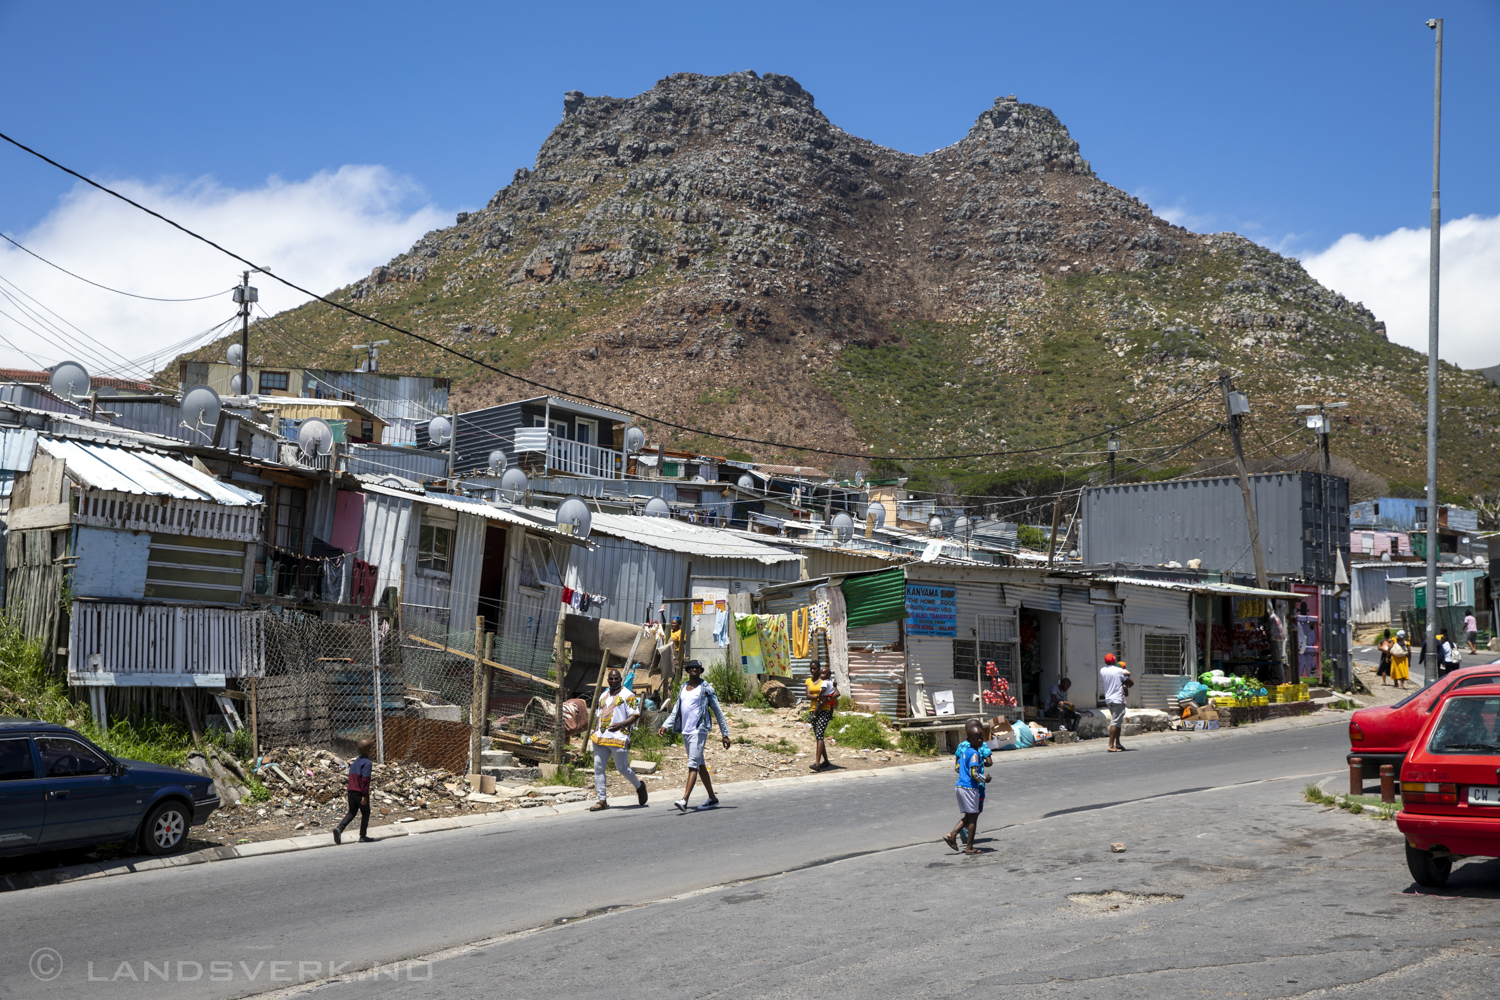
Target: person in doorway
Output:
[
  {"x": 1471, "y": 632},
  {"x": 1060, "y": 706},
  {"x": 358, "y": 789},
  {"x": 1115, "y": 682},
  {"x": 619, "y": 709},
  {"x": 822, "y": 696},
  {"x": 692, "y": 714},
  {"x": 1400, "y": 659},
  {"x": 1384, "y": 670},
  {"x": 969, "y": 763}
]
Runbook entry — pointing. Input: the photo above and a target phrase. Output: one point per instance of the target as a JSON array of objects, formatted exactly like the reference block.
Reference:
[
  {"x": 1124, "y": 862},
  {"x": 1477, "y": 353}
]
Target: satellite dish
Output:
[
  {"x": 438, "y": 430},
  {"x": 514, "y": 484},
  {"x": 392, "y": 482},
  {"x": 236, "y": 386},
  {"x": 935, "y": 524},
  {"x": 234, "y": 355},
  {"x": 745, "y": 482},
  {"x": 575, "y": 512},
  {"x": 68, "y": 380},
  {"x": 498, "y": 461},
  {"x": 859, "y": 477},
  {"x": 635, "y": 440},
  {"x": 843, "y": 526},
  {"x": 315, "y": 437},
  {"x": 878, "y": 511},
  {"x": 200, "y": 409},
  {"x": 657, "y": 507},
  {"x": 961, "y": 525}
]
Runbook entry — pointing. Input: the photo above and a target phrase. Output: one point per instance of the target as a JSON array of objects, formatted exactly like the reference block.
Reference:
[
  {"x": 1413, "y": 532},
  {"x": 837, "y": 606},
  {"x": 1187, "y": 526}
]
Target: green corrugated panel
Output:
[{"x": 876, "y": 597}]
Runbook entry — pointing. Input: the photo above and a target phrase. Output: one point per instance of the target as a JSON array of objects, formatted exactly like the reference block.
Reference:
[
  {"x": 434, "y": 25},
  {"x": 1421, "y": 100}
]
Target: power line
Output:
[
  {"x": 550, "y": 389},
  {"x": 148, "y": 298}
]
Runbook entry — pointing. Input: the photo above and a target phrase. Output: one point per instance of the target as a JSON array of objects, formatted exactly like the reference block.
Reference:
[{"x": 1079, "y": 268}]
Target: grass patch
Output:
[
  {"x": 758, "y": 700},
  {"x": 573, "y": 777},
  {"x": 1316, "y": 795},
  {"x": 732, "y": 686},
  {"x": 782, "y": 745},
  {"x": 918, "y": 744},
  {"x": 859, "y": 732}
]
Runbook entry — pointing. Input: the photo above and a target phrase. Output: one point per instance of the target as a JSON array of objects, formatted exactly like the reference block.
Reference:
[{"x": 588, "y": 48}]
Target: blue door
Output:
[
  {"x": 84, "y": 801},
  {"x": 21, "y": 795}
]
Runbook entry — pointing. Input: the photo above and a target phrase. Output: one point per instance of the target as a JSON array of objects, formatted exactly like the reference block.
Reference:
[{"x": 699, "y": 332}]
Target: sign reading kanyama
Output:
[{"x": 931, "y": 610}]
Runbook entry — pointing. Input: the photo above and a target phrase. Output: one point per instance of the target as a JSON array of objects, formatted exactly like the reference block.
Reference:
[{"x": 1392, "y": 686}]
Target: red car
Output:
[
  {"x": 1382, "y": 735},
  {"x": 1450, "y": 792}
]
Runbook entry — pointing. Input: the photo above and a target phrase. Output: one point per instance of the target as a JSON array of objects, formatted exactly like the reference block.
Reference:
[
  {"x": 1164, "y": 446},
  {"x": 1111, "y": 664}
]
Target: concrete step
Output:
[
  {"x": 512, "y": 773},
  {"x": 497, "y": 758}
]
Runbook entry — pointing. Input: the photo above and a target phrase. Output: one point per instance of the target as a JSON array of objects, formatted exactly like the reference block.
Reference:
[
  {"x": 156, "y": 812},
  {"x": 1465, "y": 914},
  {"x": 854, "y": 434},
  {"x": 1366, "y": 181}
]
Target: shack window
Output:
[
  {"x": 1165, "y": 654},
  {"x": 291, "y": 516},
  {"x": 538, "y": 566},
  {"x": 968, "y": 655},
  {"x": 273, "y": 381},
  {"x": 434, "y": 548}
]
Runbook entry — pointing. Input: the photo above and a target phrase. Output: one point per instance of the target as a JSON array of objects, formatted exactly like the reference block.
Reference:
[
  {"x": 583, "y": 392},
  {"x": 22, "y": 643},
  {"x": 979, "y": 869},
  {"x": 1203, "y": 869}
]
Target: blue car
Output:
[{"x": 58, "y": 790}]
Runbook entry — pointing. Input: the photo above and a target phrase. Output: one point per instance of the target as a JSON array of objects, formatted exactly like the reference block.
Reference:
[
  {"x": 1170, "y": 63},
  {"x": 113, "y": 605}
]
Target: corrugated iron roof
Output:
[
  {"x": 680, "y": 536},
  {"x": 1203, "y": 587},
  {"x": 472, "y": 505},
  {"x": 17, "y": 446},
  {"x": 144, "y": 473}
]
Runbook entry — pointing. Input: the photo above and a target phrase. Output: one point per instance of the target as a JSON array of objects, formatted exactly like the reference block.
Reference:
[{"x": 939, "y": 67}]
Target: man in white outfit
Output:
[
  {"x": 1115, "y": 682},
  {"x": 619, "y": 708}
]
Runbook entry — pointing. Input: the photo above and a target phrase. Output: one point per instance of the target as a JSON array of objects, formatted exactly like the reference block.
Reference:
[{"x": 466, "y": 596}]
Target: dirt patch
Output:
[{"x": 1114, "y": 899}]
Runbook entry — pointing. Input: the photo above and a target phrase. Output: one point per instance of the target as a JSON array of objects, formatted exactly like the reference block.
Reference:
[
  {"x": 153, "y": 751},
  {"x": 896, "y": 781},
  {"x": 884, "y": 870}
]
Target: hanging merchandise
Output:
[
  {"x": 721, "y": 626},
  {"x": 800, "y": 633},
  {"x": 752, "y": 661},
  {"x": 776, "y": 646},
  {"x": 567, "y": 595},
  {"x": 333, "y": 579},
  {"x": 362, "y": 583},
  {"x": 818, "y": 616}
]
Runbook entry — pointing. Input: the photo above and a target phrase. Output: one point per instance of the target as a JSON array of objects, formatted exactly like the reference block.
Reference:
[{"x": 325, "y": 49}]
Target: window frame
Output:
[
  {"x": 285, "y": 386},
  {"x": 91, "y": 751},
  {"x": 281, "y": 533},
  {"x": 433, "y": 548},
  {"x": 1146, "y": 653},
  {"x": 31, "y": 755}
]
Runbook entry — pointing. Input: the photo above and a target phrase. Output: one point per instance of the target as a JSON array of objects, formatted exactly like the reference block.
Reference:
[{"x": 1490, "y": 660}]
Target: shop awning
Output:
[{"x": 873, "y": 598}]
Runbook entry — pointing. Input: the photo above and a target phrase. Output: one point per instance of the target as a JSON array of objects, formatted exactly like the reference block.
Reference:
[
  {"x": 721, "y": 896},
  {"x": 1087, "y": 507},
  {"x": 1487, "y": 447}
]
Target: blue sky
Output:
[{"x": 1295, "y": 124}]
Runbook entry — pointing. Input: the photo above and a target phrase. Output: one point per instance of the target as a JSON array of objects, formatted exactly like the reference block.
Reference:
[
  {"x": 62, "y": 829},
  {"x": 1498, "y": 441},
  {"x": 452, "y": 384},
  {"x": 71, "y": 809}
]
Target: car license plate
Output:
[{"x": 1484, "y": 795}]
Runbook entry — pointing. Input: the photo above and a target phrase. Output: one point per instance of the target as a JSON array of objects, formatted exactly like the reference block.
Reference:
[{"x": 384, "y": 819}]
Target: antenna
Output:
[
  {"x": 200, "y": 408},
  {"x": 635, "y": 440},
  {"x": 575, "y": 512},
  {"x": 315, "y": 437},
  {"x": 438, "y": 430},
  {"x": 657, "y": 507},
  {"x": 498, "y": 462},
  {"x": 374, "y": 348},
  {"x": 843, "y": 526},
  {"x": 69, "y": 380}
]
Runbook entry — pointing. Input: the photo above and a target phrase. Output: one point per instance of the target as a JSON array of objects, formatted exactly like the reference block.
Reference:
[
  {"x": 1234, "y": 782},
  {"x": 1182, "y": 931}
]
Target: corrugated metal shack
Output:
[
  {"x": 1369, "y": 592},
  {"x": 556, "y": 434}
]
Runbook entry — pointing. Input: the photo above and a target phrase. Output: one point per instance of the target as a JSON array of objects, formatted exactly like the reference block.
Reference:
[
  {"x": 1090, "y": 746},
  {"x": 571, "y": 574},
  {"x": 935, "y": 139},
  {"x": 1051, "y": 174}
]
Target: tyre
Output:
[
  {"x": 1427, "y": 870},
  {"x": 166, "y": 828}
]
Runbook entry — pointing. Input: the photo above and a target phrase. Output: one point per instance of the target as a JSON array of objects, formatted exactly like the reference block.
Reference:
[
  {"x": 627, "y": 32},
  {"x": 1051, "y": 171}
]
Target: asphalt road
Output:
[{"x": 1230, "y": 883}]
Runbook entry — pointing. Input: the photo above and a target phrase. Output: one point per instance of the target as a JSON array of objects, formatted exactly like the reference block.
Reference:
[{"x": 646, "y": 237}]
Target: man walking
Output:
[
  {"x": 619, "y": 708},
  {"x": 1471, "y": 632},
  {"x": 690, "y": 716},
  {"x": 1115, "y": 681}
]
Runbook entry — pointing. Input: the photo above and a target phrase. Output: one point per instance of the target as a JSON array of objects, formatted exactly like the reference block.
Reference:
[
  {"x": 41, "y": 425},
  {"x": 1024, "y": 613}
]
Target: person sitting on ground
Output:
[
  {"x": 969, "y": 763},
  {"x": 619, "y": 708},
  {"x": 822, "y": 696},
  {"x": 1060, "y": 706}
]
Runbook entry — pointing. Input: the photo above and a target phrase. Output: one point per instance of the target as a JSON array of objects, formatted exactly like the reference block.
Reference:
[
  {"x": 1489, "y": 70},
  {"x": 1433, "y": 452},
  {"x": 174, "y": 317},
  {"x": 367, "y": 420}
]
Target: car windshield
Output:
[{"x": 1467, "y": 726}]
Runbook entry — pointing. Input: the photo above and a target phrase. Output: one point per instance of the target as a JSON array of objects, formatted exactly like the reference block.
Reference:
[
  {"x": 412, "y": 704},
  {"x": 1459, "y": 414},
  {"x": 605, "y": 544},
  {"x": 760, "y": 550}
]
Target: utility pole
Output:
[
  {"x": 453, "y": 454},
  {"x": 1430, "y": 668},
  {"x": 1114, "y": 447},
  {"x": 1320, "y": 425},
  {"x": 1056, "y": 517},
  {"x": 1236, "y": 406},
  {"x": 245, "y": 294}
]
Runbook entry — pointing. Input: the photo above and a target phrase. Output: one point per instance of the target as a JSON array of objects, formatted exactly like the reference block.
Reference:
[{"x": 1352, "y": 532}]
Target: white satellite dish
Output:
[
  {"x": 438, "y": 430},
  {"x": 878, "y": 511},
  {"x": 961, "y": 525},
  {"x": 745, "y": 482},
  {"x": 514, "y": 484},
  {"x": 200, "y": 410},
  {"x": 859, "y": 477},
  {"x": 315, "y": 437},
  {"x": 843, "y": 526},
  {"x": 575, "y": 512},
  {"x": 657, "y": 507},
  {"x": 935, "y": 524},
  {"x": 393, "y": 483},
  {"x": 498, "y": 461},
  {"x": 236, "y": 386},
  {"x": 68, "y": 380},
  {"x": 635, "y": 440},
  {"x": 234, "y": 355}
]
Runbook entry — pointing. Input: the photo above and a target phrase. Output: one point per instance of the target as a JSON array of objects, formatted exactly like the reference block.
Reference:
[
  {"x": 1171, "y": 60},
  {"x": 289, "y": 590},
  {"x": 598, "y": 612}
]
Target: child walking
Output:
[
  {"x": 969, "y": 763},
  {"x": 359, "y": 794}
]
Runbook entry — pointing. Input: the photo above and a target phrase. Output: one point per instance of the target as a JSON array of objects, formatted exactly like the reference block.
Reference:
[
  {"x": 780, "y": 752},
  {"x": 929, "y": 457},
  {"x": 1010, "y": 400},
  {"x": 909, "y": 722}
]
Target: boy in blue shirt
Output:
[{"x": 969, "y": 761}]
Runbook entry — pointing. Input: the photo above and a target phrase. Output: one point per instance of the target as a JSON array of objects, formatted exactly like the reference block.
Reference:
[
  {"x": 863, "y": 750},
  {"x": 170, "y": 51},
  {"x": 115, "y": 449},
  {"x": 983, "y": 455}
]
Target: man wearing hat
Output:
[
  {"x": 690, "y": 716},
  {"x": 1114, "y": 681}
]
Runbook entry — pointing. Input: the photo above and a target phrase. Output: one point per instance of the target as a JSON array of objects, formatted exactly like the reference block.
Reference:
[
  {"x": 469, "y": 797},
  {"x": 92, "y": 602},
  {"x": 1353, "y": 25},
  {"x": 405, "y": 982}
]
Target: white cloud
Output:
[
  {"x": 1389, "y": 275},
  {"x": 322, "y": 233}
]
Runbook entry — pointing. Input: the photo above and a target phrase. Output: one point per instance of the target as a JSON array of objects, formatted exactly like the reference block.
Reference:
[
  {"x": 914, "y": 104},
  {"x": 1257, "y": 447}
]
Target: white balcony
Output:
[{"x": 573, "y": 458}]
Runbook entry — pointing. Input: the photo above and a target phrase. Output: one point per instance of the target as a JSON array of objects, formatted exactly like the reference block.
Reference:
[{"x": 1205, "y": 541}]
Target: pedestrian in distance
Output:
[
  {"x": 1471, "y": 632},
  {"x": 1384, "y": 670},
  {"x": 969, "y": 762},
  {"x": 1400, "y": 659},
  {"x": 1449, "y": 656},
  {"x": 619, "y": 710},
  {"x": 822, "y": 696},
  {"x": 360, "y": 769},
  {"x": 1116, "y": 682},
  {"x": 692, "y": 714}
]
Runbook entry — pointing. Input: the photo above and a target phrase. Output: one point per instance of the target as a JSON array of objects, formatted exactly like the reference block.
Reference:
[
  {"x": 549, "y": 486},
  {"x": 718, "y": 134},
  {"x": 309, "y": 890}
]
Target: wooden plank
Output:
[
  {"x": 50, "y": 515},
  {"x": 489, "y": 663}
]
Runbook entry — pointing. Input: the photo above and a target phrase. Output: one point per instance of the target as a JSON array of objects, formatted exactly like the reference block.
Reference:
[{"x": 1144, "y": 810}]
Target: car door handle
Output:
[{"x": 60, "y": 794}]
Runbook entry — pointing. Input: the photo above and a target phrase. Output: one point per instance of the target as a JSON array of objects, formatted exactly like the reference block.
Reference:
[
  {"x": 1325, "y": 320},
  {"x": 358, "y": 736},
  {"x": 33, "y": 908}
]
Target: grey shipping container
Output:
[{"x": 1304, "y": 524}]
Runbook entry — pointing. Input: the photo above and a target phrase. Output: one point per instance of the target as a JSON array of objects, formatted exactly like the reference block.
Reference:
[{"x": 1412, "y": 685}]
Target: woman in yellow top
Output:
[
  {"x": 822, "y": 695},
  {"x": 1400, "y": 660}
]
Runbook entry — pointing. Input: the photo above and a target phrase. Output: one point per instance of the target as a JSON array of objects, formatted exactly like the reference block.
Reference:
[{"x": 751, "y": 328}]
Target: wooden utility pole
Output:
[
  {"x": 476, "y": 712},
  {"x": 1052, "y": 539},
  {"x": 1235, "y": 408}
]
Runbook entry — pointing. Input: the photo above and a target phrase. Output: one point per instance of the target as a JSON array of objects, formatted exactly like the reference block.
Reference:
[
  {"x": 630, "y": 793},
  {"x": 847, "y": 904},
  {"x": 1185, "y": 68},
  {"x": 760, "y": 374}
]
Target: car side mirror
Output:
[{"x": 118, "y": 770}]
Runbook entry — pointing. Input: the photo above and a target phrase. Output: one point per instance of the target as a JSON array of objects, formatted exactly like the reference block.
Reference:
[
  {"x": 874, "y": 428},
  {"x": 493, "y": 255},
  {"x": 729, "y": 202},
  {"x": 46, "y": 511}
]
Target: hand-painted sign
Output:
[{"x": 931, "y": 610}]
